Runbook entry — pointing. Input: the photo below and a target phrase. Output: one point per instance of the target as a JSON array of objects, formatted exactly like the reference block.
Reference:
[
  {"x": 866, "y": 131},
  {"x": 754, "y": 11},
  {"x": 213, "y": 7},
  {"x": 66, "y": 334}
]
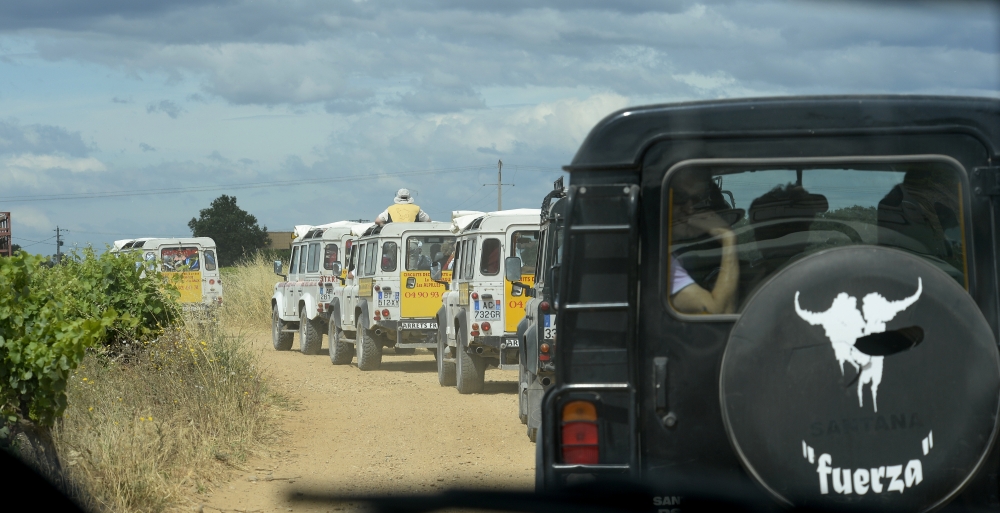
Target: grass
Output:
[
  {"x": 248, "y": 288},
  {"x": 168, "y": 418}
]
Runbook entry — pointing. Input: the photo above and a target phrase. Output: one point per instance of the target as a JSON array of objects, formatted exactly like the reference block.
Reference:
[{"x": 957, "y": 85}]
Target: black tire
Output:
[
  {"x": 282, "y": 341},
  {"x": 310, "y": 333},
  {"x": 446, "y": 370},
  {"x": 341, "y": 352},
  {"x": 369, "y": 350},
  {"x": 522, "y": 393},
  {"x": 470, "y": 372}
]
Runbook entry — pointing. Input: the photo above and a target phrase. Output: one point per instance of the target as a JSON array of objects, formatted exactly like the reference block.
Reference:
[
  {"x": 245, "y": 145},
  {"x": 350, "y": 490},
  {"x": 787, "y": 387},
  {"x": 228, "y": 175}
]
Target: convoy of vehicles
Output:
[
  {"x": 795, "y": 292},
  {"x": 188, "y": 262},
  {"x": 478, "y": 315},
  {"x": 537, "y": 331},
  {"x": 299, "y": 301},
  {"x": 387, "y": 298}
]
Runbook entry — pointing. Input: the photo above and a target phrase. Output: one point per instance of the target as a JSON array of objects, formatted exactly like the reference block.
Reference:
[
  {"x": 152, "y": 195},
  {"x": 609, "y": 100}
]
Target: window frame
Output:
[
  {"x": 327, "y": 264},
  {"x": 482, "y": 255},
  {"x": 208, "y": 260},
  {"x": 395, "y": 256},
  {"x": 806, "y": 162},
  {"x": 312, "y": 262},
  {"x": 293, "y": 266},
  {"x": 370, "y": 258},
  {"x": 359, "y": 265}
]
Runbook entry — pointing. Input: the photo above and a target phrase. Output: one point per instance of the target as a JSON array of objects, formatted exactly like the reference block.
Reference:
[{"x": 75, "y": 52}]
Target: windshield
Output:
[
  {"x": 779, "y": 214},
  {"x": 524, "y": 245}
]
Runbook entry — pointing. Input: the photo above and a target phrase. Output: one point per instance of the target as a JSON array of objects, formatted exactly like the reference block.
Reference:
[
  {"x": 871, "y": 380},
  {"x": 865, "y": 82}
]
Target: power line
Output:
[
  {"x": 208, "y": 188},
  {"x": 33, "y": 242}
]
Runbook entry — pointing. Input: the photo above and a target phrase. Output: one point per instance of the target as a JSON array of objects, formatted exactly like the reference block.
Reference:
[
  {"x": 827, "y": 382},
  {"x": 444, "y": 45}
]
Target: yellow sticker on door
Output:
[
  {"x": 421, "y": 295},
  {"x": 515, "y": 304},
  {"x": 188, "y": 284}
]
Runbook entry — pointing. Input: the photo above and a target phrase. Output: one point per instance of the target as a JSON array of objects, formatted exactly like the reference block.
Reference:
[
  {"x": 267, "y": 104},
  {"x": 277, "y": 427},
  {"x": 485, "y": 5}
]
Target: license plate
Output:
[
  {"x": 388, "y": 302},
  {"x": 488, "y": 315},
  {"x": 510, "y": 343},
  {"x": 419, "y": 325},
  {"x": 549, "y": 330},
  {"x": 325, "y": 298}
]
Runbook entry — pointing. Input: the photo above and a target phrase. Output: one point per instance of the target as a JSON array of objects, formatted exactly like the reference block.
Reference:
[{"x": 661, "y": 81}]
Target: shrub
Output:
[{"x": 248, "y": 289}]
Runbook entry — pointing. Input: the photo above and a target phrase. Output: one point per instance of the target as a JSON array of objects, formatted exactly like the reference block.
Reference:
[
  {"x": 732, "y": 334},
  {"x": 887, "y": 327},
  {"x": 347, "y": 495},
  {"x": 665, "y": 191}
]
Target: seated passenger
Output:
[
  {"x": 696, "y": 203},
  {"x": 781, "y": 221},
  {"x": 924, "y": 212}
]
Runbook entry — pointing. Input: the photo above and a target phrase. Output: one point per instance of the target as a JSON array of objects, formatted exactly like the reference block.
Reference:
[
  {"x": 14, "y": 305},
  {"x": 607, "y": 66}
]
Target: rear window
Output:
[
  {"x": 423, "y": 250},
  {"x": 293, "y": 267},
  {"x": 175, "y": 259},
  {"x": 524, "y": 245},
  {"x": 210, "y": 264},
  {"x": 331, "y": 255},
  {"x": 390, "y": 251},
  {"x": 731, "y": 224},
  {"x": 370, "y": 259},
  {"x": 489, "y": 264}
]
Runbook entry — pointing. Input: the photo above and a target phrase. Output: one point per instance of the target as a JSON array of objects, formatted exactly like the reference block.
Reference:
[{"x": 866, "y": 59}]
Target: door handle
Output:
[{"x": 660, "y": 396}]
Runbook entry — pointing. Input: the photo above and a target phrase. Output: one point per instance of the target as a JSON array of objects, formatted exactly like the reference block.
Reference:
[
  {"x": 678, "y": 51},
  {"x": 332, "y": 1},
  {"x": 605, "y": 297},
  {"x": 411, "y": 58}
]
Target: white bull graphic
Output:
[{"x": 844, "y": 325}]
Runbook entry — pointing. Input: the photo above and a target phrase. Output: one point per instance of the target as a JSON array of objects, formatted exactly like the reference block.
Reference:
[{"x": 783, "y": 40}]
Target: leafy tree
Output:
[{"x": 234, "y": 230}]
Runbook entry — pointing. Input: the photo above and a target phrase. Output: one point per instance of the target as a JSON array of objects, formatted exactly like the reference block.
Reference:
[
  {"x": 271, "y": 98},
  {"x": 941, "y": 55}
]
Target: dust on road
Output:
[{"x": 394, "y": 430}]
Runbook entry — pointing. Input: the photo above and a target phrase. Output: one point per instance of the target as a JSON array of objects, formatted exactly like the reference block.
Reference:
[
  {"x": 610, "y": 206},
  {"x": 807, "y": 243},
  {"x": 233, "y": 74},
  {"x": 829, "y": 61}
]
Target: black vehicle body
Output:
[
  {"x": 662, "y": 389},
  {"x": 536, "y": 369}
]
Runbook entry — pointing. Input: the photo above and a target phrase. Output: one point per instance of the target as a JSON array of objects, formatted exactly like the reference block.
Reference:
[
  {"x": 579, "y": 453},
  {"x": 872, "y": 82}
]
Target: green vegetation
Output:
[{"x": 235, "y": 232}]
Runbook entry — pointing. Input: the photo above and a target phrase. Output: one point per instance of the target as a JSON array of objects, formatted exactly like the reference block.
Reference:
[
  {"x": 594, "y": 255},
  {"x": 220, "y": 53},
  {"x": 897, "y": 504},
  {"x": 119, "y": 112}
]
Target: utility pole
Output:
[
  {"x": 499, "y": 184},
  {"x": 59, "y": 243}
]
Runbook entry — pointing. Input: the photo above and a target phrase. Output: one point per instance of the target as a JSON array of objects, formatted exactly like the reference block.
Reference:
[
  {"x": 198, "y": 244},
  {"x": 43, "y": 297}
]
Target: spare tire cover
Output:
[{"x": 831, "y": 396}]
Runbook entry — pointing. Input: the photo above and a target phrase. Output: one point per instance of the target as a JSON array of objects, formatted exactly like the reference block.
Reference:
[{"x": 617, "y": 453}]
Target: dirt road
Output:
[{"x": 394, "y": 430}]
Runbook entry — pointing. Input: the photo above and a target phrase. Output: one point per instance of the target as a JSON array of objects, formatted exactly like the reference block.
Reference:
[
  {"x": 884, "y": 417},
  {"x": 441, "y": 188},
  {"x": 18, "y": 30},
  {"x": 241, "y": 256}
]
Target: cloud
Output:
[
  {"x": 146, "y": 148},
  {"x": 165, "y": 106},
  {"x": 216, "y": 156},
  {"x": 16, "y": 138},
  {"x": 124, "y": 101},
  {"x": 29, "y": 162}
]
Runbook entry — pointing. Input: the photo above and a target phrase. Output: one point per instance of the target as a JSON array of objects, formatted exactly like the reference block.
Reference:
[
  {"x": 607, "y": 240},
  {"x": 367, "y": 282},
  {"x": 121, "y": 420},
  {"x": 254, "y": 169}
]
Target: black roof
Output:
[{"x": 620, "y": 139}]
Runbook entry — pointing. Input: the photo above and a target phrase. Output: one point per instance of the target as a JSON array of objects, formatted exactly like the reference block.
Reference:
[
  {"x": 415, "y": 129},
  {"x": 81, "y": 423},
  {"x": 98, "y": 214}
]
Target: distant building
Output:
[{"x": 6, "y": 243}]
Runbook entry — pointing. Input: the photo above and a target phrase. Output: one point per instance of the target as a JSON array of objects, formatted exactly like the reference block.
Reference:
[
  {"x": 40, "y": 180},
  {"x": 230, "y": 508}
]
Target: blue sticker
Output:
[
  {"x": 380, "y": 295},
  {"x": 548, "y": 321}
]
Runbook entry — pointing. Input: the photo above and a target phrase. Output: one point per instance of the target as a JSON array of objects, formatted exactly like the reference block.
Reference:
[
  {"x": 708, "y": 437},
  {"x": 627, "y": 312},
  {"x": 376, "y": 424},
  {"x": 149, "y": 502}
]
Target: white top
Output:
[{"x": 679, "y": 278}]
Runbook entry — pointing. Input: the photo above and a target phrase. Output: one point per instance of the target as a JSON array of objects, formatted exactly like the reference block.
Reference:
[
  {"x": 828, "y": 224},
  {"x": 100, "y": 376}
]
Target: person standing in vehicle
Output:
[
  {"x": 695, "y": 201},
  {"x": 402, "y": 211}
]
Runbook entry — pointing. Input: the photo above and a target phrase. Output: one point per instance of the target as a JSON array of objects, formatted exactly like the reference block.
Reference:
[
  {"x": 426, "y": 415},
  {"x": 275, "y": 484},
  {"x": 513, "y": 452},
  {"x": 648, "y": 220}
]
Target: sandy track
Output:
[{"x": 394, "y": 430}]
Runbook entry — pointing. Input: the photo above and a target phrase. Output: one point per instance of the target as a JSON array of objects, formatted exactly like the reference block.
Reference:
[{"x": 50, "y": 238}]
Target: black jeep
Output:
[{"x": 795, "y": 292}]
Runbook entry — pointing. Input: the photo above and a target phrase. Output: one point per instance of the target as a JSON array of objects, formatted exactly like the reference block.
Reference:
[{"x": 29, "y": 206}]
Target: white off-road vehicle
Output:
[
  {"x": 189, "y": 262},
  {"x": 388, "y": 298},
  {"x": 479, "y": 314},
  {"x": 299, "y": 302}
]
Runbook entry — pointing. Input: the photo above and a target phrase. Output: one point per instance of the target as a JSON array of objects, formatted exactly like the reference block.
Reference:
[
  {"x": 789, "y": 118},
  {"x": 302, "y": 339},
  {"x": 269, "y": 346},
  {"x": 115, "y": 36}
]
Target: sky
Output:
[{"x": 123, "y": 119}]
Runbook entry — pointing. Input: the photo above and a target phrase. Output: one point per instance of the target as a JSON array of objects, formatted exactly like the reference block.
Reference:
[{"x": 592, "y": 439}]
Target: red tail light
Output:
[
  {"x": 385, "y": 313},
  {"x": 378, "y": 316},
  {"x": 580, "y": 438},
  {"x": 211, "y": 282},
  {"x": 486, "y": 327},
  {"x": 377, "y": 288},
  {"x": 544, "y": 306},
  {"x": 475, "y": 326},
  {"x": 475, "y": 295}
]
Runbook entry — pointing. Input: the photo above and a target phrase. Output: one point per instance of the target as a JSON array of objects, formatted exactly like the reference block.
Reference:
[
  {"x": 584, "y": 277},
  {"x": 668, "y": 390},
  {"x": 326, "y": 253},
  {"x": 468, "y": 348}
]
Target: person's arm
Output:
[
  {"x": 382, "y": 218},
  {"x": 422, "y": 217},
  {"x": 722, "y": 298}
]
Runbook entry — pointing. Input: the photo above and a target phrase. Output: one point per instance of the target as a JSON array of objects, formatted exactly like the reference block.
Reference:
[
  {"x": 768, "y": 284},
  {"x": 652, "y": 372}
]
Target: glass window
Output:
[
  {"x": 370, "y": 258},
  {"x": 468, "y": 266},
  {"x": 295, "y": 260},
  {"x": 331, "y": 255},
  {"x": 733, "y": 226},
  {"x": 423, "y": 250},
  {"x": 313, "y": 265},
  {"x": 490, "y": 258},
  {"x": 210, "y": 264},
  {"x": 524, "y": 245},
  {"x": 390, "y": 251},
  {"x": 303, "y": 257},
  {"x": 361, "y": 259},
  {"x": 179, "y": 259}
]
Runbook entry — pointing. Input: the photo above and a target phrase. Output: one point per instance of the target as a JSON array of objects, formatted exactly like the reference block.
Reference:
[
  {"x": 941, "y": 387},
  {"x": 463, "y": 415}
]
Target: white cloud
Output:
[{"x": 32, "y": 162}]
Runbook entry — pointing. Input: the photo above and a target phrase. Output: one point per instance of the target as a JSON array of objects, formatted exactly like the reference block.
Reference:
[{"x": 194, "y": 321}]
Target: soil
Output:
[{"x": 390, "y": 431}]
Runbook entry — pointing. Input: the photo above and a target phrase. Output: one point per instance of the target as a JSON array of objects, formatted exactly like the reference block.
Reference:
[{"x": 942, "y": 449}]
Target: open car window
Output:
[{"x": 777, "y": 213}]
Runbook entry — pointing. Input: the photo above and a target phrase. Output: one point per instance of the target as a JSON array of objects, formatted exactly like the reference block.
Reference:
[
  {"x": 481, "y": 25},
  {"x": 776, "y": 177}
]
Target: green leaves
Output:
[{"x": 53, "y": 315}]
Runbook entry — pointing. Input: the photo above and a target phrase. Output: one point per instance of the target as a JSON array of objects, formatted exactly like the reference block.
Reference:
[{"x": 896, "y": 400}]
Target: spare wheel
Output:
[{"x": 861, "y": 376}]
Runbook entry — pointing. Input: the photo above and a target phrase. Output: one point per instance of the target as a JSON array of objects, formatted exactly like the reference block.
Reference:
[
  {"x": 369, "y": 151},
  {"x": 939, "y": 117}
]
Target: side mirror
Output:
[
  {"x": 337, "y": 269},
  {"x": 277, "y": 268},
  {"x": 512, "y": 269}
]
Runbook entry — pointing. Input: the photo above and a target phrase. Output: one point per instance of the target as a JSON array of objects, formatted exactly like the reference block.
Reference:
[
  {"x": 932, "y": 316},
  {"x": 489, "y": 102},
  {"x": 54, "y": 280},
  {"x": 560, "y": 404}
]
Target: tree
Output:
[{"x": 234, "y": 230}]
